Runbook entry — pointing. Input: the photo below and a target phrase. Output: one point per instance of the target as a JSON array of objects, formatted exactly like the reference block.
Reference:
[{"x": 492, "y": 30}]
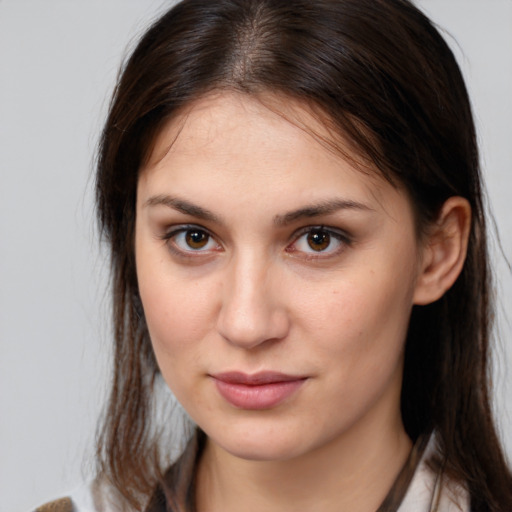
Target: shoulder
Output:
[
  {"x": 60, "y": 505},
  {"x": 86, "y": 498}
]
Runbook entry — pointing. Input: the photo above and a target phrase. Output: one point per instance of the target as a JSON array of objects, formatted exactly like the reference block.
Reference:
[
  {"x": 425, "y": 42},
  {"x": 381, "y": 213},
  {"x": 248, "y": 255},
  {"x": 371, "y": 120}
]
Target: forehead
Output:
[
  {"x": 227, "y": 140},
  {"x": 229, "y": 109}
]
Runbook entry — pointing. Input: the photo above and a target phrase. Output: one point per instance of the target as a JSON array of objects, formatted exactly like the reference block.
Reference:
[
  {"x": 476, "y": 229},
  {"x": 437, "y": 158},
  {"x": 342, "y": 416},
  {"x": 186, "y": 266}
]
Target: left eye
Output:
[
  {"x": 193, "y": 239},
  {"x": 319, "y": 240}
]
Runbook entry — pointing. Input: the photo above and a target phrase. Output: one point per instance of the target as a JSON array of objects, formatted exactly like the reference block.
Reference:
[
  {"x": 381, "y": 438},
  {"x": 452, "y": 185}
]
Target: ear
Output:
[{"x": 444, "y": 251}]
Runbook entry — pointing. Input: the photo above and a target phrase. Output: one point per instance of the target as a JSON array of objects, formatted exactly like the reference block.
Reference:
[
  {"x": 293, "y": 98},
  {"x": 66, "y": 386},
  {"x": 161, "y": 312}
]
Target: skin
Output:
[{"x": 254, "y": 294}]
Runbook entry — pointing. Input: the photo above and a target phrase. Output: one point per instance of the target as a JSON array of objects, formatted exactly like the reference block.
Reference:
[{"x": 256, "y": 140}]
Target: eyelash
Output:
[
  {"x": 343, "y": 240},
  {"x": 171, "y": 236}
]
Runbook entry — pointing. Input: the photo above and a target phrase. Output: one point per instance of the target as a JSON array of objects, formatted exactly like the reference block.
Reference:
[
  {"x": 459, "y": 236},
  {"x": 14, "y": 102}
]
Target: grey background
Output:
[{"x": 58, "y": 62}]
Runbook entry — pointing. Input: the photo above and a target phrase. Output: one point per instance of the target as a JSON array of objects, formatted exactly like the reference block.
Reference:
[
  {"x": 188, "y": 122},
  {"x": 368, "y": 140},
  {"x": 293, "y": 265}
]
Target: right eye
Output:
[{"x": 191, "y": 239}]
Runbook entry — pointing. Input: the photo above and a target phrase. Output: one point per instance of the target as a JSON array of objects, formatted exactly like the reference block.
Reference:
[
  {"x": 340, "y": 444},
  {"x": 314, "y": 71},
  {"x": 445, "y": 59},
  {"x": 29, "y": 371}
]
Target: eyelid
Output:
[
  {"x": 179, "y": 228},
  {"x": 339, "y": 234},
  {"x": 175, "y": 230}
]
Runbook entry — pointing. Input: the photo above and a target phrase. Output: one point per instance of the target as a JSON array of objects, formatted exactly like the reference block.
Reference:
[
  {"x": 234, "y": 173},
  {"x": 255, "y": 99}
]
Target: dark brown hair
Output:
[{"x": 383, "y": 78}]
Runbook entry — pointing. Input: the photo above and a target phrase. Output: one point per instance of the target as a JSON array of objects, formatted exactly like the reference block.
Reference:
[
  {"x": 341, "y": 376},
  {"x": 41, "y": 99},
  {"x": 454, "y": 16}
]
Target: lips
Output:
[{"x": 263, "y": 390}]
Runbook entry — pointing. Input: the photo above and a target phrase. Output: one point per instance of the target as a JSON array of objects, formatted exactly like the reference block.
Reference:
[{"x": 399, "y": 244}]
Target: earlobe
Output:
[{"x": 444, "y": 251}]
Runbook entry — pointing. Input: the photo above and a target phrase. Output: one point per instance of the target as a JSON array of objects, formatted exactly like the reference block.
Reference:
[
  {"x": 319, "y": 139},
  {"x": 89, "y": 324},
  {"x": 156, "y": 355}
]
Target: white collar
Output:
[{"x": 430, "y": 492}]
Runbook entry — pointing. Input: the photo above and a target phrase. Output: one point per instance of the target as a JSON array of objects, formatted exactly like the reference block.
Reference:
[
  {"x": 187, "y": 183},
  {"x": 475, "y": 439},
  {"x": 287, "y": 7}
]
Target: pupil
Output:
[
  {"x": 196, "y": 239},
  {"x": 319, "y": 240}
]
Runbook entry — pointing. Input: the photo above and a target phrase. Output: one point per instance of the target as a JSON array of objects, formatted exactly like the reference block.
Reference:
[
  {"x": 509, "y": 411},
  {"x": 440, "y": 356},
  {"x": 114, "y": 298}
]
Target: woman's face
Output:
[{"x": 277, "y": 281}]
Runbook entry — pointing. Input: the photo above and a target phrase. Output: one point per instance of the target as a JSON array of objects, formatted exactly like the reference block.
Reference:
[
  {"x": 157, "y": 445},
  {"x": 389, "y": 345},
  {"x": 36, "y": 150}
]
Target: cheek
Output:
[
  {"x": 356, "y": 338},
  {"x": 359, "y": 322},
  {"x": 179, "y": 311},
  {"x": 354, "y": 308},
  {"x": 178, "y": 320}
]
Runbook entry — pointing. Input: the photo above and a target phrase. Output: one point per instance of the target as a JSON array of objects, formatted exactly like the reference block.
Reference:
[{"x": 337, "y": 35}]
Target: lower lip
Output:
[{"x": 263, "y": 396}]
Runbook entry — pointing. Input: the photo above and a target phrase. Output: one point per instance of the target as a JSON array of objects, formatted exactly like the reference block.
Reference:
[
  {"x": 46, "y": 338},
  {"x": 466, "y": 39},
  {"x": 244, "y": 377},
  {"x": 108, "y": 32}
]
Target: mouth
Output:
[{"x": 263, "y": 390}]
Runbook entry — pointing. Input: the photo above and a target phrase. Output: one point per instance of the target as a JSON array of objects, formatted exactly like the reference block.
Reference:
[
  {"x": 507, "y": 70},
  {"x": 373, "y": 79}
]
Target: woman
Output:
[{"x": 291, "y": 194}]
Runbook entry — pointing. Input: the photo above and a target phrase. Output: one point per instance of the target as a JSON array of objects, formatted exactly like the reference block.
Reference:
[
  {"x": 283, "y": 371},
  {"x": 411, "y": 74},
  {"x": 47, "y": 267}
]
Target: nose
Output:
[{"x": 252, "y": 310}]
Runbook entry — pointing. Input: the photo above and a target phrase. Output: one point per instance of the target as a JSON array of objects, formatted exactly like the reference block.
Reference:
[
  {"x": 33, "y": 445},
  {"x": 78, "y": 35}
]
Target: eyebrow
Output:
[
  {"x": 183, "y": 206},
  {"x": 316, "y": 210},
  {"x": 313, "y": 210}
]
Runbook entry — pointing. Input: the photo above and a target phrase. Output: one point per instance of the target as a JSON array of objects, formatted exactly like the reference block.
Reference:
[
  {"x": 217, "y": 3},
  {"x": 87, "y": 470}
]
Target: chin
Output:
[
  {"x": 257, "y": 443},
  {"x": 261, "y": 451}
]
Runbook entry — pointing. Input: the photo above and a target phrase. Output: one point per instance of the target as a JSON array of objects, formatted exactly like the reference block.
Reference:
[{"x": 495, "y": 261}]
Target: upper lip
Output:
[{"x": 255, "y": 379}]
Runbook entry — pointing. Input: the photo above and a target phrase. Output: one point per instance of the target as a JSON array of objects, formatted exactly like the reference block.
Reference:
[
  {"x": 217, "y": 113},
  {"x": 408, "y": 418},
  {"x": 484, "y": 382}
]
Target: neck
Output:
[{"x": 352, "y": 472}]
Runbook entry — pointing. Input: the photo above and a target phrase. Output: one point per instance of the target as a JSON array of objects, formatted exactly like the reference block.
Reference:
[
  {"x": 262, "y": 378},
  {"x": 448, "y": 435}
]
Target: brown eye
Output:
[
  {"x": 318, "y": 240},
  {"x": 191, "y": 240},
  {"x": 196, "y": 239}
]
